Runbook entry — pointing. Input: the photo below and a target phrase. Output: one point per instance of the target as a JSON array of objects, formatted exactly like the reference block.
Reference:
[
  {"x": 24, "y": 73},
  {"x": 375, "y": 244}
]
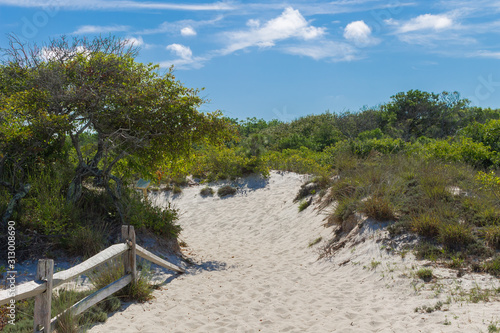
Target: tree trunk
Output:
[{"x": 21, "y": 193}]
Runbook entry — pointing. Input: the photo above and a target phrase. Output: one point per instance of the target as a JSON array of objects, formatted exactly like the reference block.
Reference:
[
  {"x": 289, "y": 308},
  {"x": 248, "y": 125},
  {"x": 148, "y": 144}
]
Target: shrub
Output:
[
  {"x": 493, "y": 266},
  {"x": 304, "y": 204},
  {"x": 456, "y": 236},
  {"x": 425, "y": 274},
  {"x": 176, "y": 189},
  {"x": 111, "y": 271},
  {"x": 426, "y": 225},
  {"x": 86, "y": 241},
  {"x": 378, "y": 207},
  {"x": 206, "y": 191},
  {"x": 143, "y": 214},
  {"x": 344, "y": 210},
  {"x": 306, "y": 190},
  {"x": 492, "y": 236},
  {"x": 226, "y": 190}
]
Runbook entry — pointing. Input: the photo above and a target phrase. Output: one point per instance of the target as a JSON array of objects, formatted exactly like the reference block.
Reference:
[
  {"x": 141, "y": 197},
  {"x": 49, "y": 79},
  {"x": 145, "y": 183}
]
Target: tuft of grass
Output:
[
  {"x": 378, "y": 208},
  {"x": 374, "y": 264},
  {"x": 111, "y": 271},
  {"x": 226, "y": 190},
  {"x": 493, "y": 266},
  {"x": 304, "y": 204},
  {"x": 307, "y": 190},
  {"x": 207, "y": 191},
  {"x": 425, "y": 274},
  {"x": 86, "y": 242},
  {"x": 456, "y": 236},
  {"x": 426, "y": 225},
  {"x": 316, "y": 241},
  {"x": 176, "y": 189},
  {"x": 492, "y": 328},
  {"x": 492, "y": 236}
]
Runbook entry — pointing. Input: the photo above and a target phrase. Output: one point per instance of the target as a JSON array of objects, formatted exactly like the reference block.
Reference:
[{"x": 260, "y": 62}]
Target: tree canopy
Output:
[{"x": 70, "y": 88}]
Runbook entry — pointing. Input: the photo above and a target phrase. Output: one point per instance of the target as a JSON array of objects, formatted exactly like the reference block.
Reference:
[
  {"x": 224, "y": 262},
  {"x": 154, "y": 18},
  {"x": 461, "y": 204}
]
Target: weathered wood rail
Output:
[{"x": 46, "y": 280}]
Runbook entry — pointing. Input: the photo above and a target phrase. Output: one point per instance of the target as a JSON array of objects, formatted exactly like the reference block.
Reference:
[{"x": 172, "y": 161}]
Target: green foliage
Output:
[
  {"x": 378, "y": 207},
  {"x": 214, "y": 163},
  {"x": 304, "y": 204},
  {"x": 112, "y": 270},
  {"x": 226, "y": 190},
  {"x": 492, "y": 236},
  {"x": 426, "y": 224},
  {"x": 425, "y": 274},
  {"x": 493, "y": 266},
  {"x": 303, "y": 160},
  {"x": 207, "y": 191},
  {"x": 456, "y": 236},
  {"x": 143, "y": 214}
]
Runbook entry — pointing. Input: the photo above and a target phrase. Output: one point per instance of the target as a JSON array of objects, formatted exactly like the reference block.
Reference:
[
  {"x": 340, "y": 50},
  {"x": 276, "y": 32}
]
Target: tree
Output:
[{"x": 141, "y": 117}]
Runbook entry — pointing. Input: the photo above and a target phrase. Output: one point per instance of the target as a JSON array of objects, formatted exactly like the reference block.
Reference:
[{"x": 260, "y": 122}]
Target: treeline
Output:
[{"x": 430, "y": 125}]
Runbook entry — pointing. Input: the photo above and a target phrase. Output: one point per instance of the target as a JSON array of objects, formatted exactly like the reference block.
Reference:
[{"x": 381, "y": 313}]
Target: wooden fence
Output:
[{"x": 46, "y": 280}]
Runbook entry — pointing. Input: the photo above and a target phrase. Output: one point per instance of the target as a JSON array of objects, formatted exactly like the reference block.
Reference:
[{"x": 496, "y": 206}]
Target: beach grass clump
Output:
[
  {"x": 304, "y": 204},
  {"x": 378, "y": 208},
  {"x": 426, "y": 225},
  {"x": 176, "y": 189},
  {"x": 86, "y": 241},
  {"x": 346, "y": 208},
  {"x": 456, "y": 236},
  {"x": 425, "y": 274},
  {"x": 493, "y": 266},
  {"x": 226, "y": 190},
  {"x": 492, "y": 236},
  {"x": 207, "y": 191},
  {"x": 140, "y": 291}
]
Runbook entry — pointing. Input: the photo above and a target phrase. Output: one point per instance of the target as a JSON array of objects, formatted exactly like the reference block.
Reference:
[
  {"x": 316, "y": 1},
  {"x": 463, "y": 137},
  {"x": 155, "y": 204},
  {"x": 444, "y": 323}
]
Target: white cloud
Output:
[
  {"x": 330, "y": 50},
  {"x": 423, "y": 22},
  {"x": 359, "y": 33},
  {"x": 55, "y": 53},
  {"x": 486, "y": 54},
  {"x": 185, "y": 59},
  {"x": 175, "y": 27},
  {"x": 188, "y": 31},
  {"x": 135, "y": 41},
  {"x": 183, "y": 52},
  {"x": 98, "y": 29},
  {"x": 290, "y": 24},
  {"x": 118, "y": 5}
]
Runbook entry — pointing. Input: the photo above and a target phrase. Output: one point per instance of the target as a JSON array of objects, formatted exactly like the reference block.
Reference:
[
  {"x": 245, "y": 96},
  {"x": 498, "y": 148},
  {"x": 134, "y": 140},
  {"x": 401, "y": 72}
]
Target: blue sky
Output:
[{"x": 286, "y": 59}]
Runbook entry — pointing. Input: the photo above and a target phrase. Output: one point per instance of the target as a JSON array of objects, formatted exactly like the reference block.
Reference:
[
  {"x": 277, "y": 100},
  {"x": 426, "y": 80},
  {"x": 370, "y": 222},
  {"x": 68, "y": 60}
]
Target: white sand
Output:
[{"x": 256, "y": 273}]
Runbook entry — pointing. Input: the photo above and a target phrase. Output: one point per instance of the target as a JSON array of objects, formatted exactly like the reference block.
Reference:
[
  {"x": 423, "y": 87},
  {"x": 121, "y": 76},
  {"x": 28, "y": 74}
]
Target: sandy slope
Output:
[{"x": 255, "y": 272}]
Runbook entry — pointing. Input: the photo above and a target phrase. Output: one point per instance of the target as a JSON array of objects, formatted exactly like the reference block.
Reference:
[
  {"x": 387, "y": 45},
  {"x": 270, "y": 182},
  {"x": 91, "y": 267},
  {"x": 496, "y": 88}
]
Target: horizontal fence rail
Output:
[{"x": 41, "y": 288}]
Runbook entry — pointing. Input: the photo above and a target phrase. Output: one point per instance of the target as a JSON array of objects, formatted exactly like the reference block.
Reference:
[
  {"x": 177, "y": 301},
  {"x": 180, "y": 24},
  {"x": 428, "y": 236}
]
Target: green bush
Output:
[
  {"x": 456, "y": 236},
  {"x": 345, "y": 209},
  {"x": 304, "y": 204},
  {"x": 426, "y": 225},
  {"x": 378, "y": 208},
  {"x": 492, "y": 236},
  {"x": 143, "y": 214},
  {"x": 493, "y": 266},
  {"x": 425, "y": 274},
  {"x": 226, "y": 190},
  {"x": 206, "y": 191}
]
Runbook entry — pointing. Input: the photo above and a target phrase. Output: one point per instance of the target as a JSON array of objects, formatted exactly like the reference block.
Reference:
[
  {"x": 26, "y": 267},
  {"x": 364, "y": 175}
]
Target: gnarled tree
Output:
[{"x": 138, "y": 114}]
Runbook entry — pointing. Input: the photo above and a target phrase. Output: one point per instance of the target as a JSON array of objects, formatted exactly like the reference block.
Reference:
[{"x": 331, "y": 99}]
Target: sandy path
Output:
[{"x": 256, "y": 273}]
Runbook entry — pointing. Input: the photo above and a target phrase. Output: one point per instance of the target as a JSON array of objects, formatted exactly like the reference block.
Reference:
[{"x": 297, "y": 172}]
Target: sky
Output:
[{"x": 287, "y": 59}]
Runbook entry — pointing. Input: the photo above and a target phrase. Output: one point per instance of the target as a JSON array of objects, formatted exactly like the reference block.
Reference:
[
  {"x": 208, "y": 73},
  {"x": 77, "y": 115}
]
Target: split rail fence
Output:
[{"x": 46, "y": 280}]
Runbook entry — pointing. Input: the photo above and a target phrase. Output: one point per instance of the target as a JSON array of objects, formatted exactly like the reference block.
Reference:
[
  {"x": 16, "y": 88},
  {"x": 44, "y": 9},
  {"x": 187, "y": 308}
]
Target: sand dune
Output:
[{"x": 255, "y": 272}]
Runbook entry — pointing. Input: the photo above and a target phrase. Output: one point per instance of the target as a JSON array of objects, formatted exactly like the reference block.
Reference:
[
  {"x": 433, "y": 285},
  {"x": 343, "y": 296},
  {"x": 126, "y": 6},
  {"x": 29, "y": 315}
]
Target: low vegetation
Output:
[{"x": 226, "y": 190}]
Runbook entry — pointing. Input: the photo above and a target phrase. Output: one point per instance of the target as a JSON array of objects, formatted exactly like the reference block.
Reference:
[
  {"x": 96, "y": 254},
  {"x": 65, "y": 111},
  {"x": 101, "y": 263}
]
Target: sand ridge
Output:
[{"x": 255, "y": 272}]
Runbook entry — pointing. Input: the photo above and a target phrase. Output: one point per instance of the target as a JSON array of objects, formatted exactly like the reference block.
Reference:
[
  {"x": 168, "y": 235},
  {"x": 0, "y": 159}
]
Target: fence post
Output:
[
  {"x": 43, "y": 302},
  {"x": 128, "y": 234}
]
